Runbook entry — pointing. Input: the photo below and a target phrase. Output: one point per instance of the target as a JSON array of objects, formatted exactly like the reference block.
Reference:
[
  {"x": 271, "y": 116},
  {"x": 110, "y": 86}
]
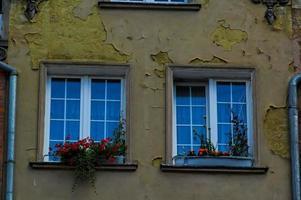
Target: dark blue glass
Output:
[
  {"x": 198, "y": 115},
  {"x": 52, "y": 149},
  {"x": 98, "y": 89},
  {"x": 114, "y": 89},
  {"x": 73, "y": 88},
  {"x": 57, "y": 109},
  {"x": 183, "y": 135},
  {"x": 240, "y": 111},
  {"x": 111, "y": 128},
  {"x": 182, "y": 95},
  {"x": 97, "y": 110},
  {"x": 183, "y": 115},
  {"x": 183, "y": 150},
  {"x": 223, "y": 92},
  {"x": 224, "y": 133},
  {"x": 224, "y": 113},
  {"x": 97, "y": 131},
  {"x": 201, "y": 132},
  {"x": 72, "y": 130},
  {"x": 238, "y": 92},
  {"x": 198, "y": 95},
  {"x": 73, "y": 109},
  {"x": 58, "y": 88},
  {"x": 113, "y": 110},
  {"x": 223, "y": 148},
  {"x": 56, "y": 130}
]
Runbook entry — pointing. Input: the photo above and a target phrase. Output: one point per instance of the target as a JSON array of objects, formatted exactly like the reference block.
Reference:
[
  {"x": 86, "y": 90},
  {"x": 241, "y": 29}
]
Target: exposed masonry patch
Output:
[
  {"x": 284, "y": 20},
  {"x": 226, "y": 37},
  {"x": 156, "y": 162},
  {"x": 276, "y": 130},
  {"x": 161, "y": 58},
  {"x": 84, "y": 9},
  {"x": 214, "y": 59}
]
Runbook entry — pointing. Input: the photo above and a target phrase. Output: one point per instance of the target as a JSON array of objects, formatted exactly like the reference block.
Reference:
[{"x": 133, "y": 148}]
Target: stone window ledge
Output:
[
  {"x": 213, "y": 169},
  {"x": 130, "y": 166},
  {"x": 150, "y": 6}
]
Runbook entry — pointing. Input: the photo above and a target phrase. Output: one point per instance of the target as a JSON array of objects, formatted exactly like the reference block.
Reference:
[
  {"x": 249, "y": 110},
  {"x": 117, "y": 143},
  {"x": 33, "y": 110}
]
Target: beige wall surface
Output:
[{"x": 227, "y": 32}]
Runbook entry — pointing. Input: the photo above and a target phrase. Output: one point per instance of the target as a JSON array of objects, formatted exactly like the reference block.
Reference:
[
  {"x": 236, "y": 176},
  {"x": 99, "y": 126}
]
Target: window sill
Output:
[
  {"x": 213, "y": 169},
  {"x": 132, "y": 166},
  {"x": 153, "y": 6}
]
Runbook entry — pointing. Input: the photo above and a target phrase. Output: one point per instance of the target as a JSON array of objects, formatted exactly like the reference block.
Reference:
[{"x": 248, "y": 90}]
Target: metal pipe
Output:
[
  {"x": 11, "y": 130},
  {"x": 294, "y": 133}
]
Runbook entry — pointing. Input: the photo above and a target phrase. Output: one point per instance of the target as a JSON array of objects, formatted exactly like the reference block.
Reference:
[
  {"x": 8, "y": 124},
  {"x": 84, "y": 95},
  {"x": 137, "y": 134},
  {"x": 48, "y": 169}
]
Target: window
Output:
[
  {"x": 202, "y": 104},
  {"x": 88, "y": 102}
]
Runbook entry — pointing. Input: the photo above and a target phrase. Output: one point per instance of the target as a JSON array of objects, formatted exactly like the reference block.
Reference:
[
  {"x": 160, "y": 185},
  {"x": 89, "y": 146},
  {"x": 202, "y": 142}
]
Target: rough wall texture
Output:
[{"x": 224, "y": 31}]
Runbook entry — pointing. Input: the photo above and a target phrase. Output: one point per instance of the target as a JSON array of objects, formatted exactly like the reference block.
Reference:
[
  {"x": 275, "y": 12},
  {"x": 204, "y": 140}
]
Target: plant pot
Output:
[
  {"x": 222, "y": 161},
  {"x": 119, "y": 159}
]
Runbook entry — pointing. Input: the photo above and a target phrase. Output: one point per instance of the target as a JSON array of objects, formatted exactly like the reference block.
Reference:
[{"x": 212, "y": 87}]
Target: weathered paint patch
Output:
[
  {"x": 84, "y": 9},
  {"x": 57, "y": 34},
  {"x": 156, "y": 162},
  {"x": 226, "y": 37},
  {"x": 214, "y": 59},
  {"x": 161, "y": 58},
  {"x": 284, "y": 21},
  {"x": 276, "y": 130}
]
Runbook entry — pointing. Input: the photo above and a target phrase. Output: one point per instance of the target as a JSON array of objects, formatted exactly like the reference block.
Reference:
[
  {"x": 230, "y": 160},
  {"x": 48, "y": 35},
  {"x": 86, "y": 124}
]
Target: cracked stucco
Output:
[
  {"x": 161, "y": 58},
  {"x": 276, "y": 130},
  {"x": 214, "y": 59}
]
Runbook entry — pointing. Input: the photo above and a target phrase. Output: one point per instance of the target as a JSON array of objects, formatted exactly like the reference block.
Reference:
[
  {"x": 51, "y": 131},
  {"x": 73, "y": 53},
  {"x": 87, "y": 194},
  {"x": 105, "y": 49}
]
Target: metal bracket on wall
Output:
[
  {"x": 32, "y": 8},
  {"x": 269, "y": 13}
]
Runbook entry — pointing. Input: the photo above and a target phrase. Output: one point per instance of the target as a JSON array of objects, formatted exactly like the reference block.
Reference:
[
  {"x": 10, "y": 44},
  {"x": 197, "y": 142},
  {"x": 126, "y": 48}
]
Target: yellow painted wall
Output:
[{"x": 223, "y": 31}]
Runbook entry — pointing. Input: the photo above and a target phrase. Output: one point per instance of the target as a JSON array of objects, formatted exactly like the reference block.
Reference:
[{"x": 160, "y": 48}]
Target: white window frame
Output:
[{"x": 85, "y": 106}]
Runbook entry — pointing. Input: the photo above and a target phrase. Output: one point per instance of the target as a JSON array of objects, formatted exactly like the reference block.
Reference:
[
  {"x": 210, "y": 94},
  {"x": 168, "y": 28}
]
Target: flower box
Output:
[{"x": 227, "y": 161}]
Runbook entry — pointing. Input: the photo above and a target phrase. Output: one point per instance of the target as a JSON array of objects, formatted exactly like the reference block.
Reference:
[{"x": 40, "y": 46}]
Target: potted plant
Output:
[{"x": 120, "y": 143}]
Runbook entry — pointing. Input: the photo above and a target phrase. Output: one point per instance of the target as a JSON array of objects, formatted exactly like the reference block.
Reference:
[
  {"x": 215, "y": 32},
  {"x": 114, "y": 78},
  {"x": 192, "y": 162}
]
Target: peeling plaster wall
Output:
[{"x": 223, "y": 31}]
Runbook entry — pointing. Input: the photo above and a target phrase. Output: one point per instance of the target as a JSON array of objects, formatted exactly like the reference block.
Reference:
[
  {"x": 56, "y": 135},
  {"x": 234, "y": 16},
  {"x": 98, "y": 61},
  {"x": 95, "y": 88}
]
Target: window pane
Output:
[
  {"x": 73, "y": 88},
  {"x": 56, "y": 130},
  {"x": 98, "y": 89},
  {"x": 240, "y": 111},
  {"x": 182, "y": 95},
  {"x": 183, "y": 135},
  {"x": 97, "y": 110},
  {"x": 72, "y": 130},
  {"x": 223, "y": 148},
  {"x": 57, "y": 88},
  {"x": 183, "y": 115},
  {"x": 113, "y": 110},
  {"x": 57, "y": 109},
  {"x": 114, "y": 89},
  {"x": 201, "y": 132},
  {"x": 111, "y": 127},
  {"x": 73, "y": 109},
  {"x": 224, "y": 113},
  {"x": 198, "y": 95},
  {"x": 52, "y": 147},
  {"x": 97, "y": 131},
  {"x": 223, "y": 92},
  {"x": 224, "y": 133},
  {"x": 198, "y": 115},
  {"x": 183, "y": 150},
  {"x": 239, "y": 92}
]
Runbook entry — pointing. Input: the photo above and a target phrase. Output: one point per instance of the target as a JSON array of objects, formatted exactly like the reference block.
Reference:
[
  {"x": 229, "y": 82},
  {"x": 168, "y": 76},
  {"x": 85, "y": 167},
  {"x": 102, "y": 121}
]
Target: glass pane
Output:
[
  {"x": 114, "y": 89},
  {"x": 224, "y": 113},
  {"x": 98, "y": 89},
  {"x": 57, "y": 88},
  {"x": 52, "y": 147},
  {"x": 97, "y": 110},
  {"x": 183, "y": 135},
  {"x": 73, "y": 109},
  {"x": 113, "y": 110},
  {"x": 201, "y": 132},
  {"x": 72, "y": 130},
  {"x": 56, "y": 130},
  {"x": 198, "y": 115},
  {"x": 198, "y": 95},
  {"x": 111, "y": 127},
  {"x": 97, "y": 131},
  {"x": 73, "y": 88},
  {"x": 223, "y": 148},
  {"x": 224, "y": 133},
  {"x": 223, "y": 92},
  {"x": 182, "y": 150},
  {"x": 57, "y": 109},
  {"x": 240, "y": 111},
  {"x": 183, "y": 115},
  {"x": 238, "y": 92},
  {"x": 182, "y": 95}
]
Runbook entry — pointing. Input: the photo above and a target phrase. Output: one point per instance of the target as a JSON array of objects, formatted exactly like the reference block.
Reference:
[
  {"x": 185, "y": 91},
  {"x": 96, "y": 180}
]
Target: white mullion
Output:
[
  {"x": 85, "y": 108},
  {"x": 249, "y": 115},
  {"x": 47, "y": 119},
  {"x": 174, "y": 122},
  {"x": 190, "y": 109},
  {"x": 105, "y": 115},
  {"x": 213, "y": 112}
]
